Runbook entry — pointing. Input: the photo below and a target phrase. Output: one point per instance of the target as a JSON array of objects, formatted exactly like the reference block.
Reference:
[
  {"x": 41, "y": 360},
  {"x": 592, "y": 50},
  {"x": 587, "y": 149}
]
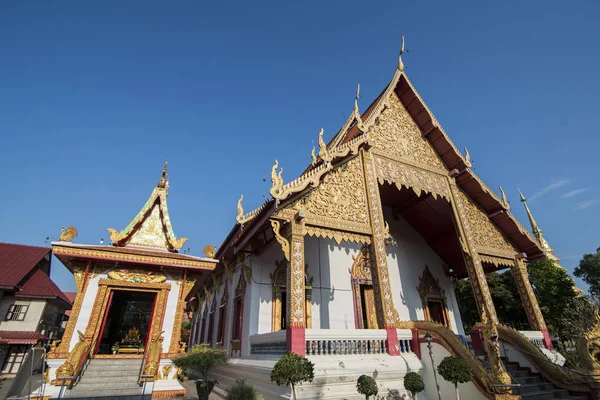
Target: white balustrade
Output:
[
  {"x": 535, "y": 337},
  {"x": 353, "y": 341}
]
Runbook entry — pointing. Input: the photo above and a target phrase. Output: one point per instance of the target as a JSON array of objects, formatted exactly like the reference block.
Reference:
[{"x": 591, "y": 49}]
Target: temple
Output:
[
  {"x": 125, "y": 324},
  {"x": 350, "y": 264}
]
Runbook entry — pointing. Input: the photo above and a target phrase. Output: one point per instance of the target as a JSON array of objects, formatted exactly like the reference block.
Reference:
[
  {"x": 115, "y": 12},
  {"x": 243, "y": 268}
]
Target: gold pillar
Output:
[
  {"x": 186, "y": 285},
  {"x": 296, "y": 290},
  {"x": 380, "y": 274},
  {"x": 528, "y": 299}
]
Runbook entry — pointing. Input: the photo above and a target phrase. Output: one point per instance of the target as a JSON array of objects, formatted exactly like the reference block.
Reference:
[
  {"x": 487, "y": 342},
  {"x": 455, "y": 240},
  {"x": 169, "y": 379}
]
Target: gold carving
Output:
[
  {"x": 296, "y": 277},
  {"x": 400, "y": 63},
  {"x": 528, "y": 299},
  {"x": 285, "y": 244},
  {"x": 137, "y": 275},
  {"x": 361, "y": 265},
  {"x": 336, "y": 235},
  {"x": 186, "y": 286},
  {"x": 67, "y": 235},
  {"x": 72, "y": 363},
  {"x": 138, "y": 258},
  {"x": 209, "y": 251},
  {"x": 81, "y": 283},
  {"x": 588, "y": 347},
  {"x": 313, "y": 157},
  {"x": 166, "y": 370},
  {"x": 323, "y": 153},
  {"x": 277, "y": 181},
  {"x": 153, "y": 358},
  {"x": 116, "y": 236},
  {"x": 398, "y": 137},
  {"x": 467, "y": 158},
  {"x": 399, "y": 174},
  {"x": 484, "y": 232},
  {"x": 381, "y": 280},
  {"x": 505, "y": 202}
]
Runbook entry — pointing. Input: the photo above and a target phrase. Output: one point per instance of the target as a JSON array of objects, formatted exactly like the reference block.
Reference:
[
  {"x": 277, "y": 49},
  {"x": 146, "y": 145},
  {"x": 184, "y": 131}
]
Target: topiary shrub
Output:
[
  {"x": 413, "y": 382},
  {"x": 455, "y": 370},
  {"x": 367, "y": 386},
  {"x": 291, "y": 370},
  {"x": 203, "y": 358},
  {"x": 242, "y": 391}
]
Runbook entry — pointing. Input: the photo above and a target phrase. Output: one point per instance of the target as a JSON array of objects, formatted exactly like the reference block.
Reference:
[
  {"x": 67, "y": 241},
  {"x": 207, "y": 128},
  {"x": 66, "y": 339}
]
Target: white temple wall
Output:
[
  {"x": 86, "y": 308},
  {"x": 171, "y": 308},
  {"x": 407, "y": 259}
]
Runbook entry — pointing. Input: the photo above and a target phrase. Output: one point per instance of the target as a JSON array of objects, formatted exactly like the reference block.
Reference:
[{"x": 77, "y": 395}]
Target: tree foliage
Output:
[
  {"x": 203, "y": 358},
  {"x": 589, "y": 271},
  {"x": 413, "y": 382},
  {"x": 367, "y": 386},
  {"x": 455, "y": 370},
  {"x": 291, "y": 370}
]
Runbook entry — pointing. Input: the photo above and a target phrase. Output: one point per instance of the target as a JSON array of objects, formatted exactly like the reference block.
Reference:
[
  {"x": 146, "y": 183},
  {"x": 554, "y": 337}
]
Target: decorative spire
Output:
[
  {"x": 504, "y": 199},
  {"x": 163, "y": 182},
  {"x": 276, "y": 180},
  {"x": 356, "y": 99},
  {"x": 534, "y": 226},
  {"x": 313, "y": 157},
  {"x": 240, "y": 209},
  {"x": 323, "y": 153},
  {"x": 400, "y": 63},
  {"x": 467, "y": 158}
]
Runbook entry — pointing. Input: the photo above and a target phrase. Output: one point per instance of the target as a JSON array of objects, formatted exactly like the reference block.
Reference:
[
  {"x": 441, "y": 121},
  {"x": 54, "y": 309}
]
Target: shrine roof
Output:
[
  {"x": 20, "y": 337},
  {"x": 133, "y": 255},
  {"x": 355, "y": 133},
  {"x": 17, "y": 260},
  {"x": 40, "y": 285}
]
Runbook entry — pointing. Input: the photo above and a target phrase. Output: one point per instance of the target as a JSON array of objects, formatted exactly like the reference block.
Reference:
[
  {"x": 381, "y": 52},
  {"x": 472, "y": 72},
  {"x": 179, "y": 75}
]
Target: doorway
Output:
[
  {"x": 367, "y": 298},
  {"x": 126, "y": 322}
]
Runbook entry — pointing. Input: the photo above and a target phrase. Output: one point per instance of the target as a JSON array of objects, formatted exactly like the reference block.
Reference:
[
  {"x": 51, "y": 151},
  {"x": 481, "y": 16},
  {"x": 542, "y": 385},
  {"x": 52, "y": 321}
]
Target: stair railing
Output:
[
  {"x": 586, "y": 377},
  {"x": 142, "y": 378}
]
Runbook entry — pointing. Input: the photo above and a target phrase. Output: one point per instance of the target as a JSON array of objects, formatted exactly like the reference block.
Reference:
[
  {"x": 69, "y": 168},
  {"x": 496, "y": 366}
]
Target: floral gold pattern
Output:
[
  {"x": 137, "y": 276},
  {"x": 338, "y": 236},
  {"x": 528, "y": 299}
]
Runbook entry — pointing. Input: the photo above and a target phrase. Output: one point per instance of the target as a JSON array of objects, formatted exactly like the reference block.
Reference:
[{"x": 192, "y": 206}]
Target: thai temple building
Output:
[{"x": 351, "y": 264}]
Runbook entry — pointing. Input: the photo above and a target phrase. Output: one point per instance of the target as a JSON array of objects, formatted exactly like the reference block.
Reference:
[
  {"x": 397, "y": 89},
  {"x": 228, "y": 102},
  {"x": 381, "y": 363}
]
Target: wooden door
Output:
[{"x": 369, "y": 311}]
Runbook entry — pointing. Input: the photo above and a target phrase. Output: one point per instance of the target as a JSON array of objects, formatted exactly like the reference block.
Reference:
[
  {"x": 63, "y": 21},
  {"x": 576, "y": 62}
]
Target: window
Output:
[
  {"x": 221, "y": 332},
  {"x": 16, "y": 312},
  {"x": 237, "y": 320}
]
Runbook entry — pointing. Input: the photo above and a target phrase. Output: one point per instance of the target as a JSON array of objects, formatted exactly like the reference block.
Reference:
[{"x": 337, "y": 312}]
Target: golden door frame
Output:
[
  {"x": 429, "y": 289},
  {"x": 278, "y": 280},
  {"x": 360, "y": 275},
  {"x": 105, "y": 287}
]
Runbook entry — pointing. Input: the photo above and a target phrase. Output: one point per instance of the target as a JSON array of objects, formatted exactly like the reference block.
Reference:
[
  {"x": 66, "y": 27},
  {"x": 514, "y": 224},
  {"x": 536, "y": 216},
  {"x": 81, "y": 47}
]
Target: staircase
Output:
[
  {"x": 533, "y": 386},
  {"x": 108, "y": 378}
]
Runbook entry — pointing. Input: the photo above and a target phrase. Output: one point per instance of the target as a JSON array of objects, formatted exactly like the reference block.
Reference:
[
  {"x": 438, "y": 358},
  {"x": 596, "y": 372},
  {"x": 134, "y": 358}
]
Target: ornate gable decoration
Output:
[
  {"x": 487, "y": 238},
  {"x": 429, "y": 286},
  {"x": 397, "y": 136},
  {"x": 361, "y": 267},
  {"x": 151, "y": 227},
  {"x": 339, "y": 201}
]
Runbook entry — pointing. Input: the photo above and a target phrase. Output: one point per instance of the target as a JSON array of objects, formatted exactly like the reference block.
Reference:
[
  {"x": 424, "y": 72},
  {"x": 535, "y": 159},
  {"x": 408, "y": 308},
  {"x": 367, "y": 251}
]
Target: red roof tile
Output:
[
  {"x": 71, "y": 297},
  {"x": 16, "y": 260},
  {"x": 20, "y": 337},
  {"x": 40, "y": 285}
]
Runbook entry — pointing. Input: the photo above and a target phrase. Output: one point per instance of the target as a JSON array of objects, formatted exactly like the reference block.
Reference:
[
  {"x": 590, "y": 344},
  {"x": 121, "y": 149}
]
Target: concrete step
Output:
[
  {"x": 112, "y": 373},
  {"x": 108, "y": 392},
  {"x": 100, "y": 386},
  {"x": 536, "y": 387},
  {"x": 526, "y": 380},
  {"x": 546, "y": 395}
]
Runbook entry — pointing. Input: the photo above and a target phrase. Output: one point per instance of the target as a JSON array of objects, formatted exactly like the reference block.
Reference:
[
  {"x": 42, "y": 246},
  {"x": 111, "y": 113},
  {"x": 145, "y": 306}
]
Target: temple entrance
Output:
[
  {"x": 126, "y": 322},
  {"x": 367, "y": 298}
]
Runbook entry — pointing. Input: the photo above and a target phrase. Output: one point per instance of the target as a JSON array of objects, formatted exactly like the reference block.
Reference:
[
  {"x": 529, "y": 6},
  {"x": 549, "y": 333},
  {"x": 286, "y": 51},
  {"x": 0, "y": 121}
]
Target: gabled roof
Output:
[
  {"x": 355, "y": 133},
  {"x": 20, "y": 337},
  {"x": 151, "y": 227},
  {"x": 40, "y": 285},
  {"x": 17, "y": 260}
]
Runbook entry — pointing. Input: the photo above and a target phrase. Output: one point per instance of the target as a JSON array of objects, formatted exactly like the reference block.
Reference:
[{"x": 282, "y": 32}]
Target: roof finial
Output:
[
  {"x": 504, "y": 198},
  {"x": 356, "y": 98},
  {"x": 323, "y": 153},
  {"x": 534, "y": 226},
  {"x": 467, "y": 157},
  {"x": 523, "y": 199},
  {"x": 162, "y": 183},
  {"x": 400, "y": 63},
  {"x": 240, "y": 208},
  {"x": 313, "y": 157}
]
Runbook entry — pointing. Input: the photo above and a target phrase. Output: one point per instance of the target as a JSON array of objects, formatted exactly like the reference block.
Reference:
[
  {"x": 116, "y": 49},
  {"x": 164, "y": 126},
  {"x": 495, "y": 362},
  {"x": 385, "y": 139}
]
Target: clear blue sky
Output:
[{"x": 94, "y": 97}]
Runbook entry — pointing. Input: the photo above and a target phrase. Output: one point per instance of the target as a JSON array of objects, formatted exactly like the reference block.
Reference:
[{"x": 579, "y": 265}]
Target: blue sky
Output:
[{"x": 94, "y": 96}]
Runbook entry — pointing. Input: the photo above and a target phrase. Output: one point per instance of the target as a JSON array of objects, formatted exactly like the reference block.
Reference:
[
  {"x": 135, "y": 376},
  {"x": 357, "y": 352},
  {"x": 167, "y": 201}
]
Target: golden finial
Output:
[
  {"x": 504, "y": 198},
  {"x": 400, "y": 63},
  {"x": 523, "y": 199},
  {"x": 276, "y": 180},
  {"x": 162, "y": 183},
  {"x": 240, "y": 209},
  {"x": 467, "y": 157},
  {"x": 209, "y": 251},
  {"x": 323, "y": 153},
  {"x": 314, "y": 157},
  {"x": 67, "y": 235},
  {"x": 356, "y": 98}
]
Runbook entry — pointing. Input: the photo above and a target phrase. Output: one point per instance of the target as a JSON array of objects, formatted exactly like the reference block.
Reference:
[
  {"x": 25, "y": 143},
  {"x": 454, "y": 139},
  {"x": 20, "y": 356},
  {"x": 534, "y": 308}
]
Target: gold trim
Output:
[
  {"x": 140, "y": 286},
  {"x": 186, "y": 285},
  {"x": 81, "y": 281},
  {"x": 117, "y": 256},
  {"x": 168, "y": 393},
  {"x": 336, "y": 235}
]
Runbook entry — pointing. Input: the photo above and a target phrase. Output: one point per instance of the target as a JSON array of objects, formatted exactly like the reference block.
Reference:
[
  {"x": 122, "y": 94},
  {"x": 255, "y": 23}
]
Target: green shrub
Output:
[
  {"x": 367, "y": 386},
  {"x": 291, "y": 370},
  {"x": 413, "y": 382},
  {"x": 203, "y": 358},
  {"x": 455, "y": 370},
  {"x": 242, "y": 391}
]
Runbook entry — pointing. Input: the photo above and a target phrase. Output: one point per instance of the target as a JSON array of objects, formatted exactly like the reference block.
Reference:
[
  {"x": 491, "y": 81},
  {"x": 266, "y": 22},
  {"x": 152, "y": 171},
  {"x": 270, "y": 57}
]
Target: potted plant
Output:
[
  {"x": 242, "y": 391},
  {"x": 455, "y": 370},
  {"x": 367, "y": 386},
  {"x": 291, "y": 370},
  {"x": 115, "y": 348},
  {"x": 203, "y": 358},
  {"x": 413, "y": 382}
]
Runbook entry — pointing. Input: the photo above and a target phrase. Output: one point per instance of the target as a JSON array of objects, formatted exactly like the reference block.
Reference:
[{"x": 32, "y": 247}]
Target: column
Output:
[
  {"x": 380, "y": 274},
  {"x": 529, "y": 301},
  {"x": 296, "y": 290}
]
